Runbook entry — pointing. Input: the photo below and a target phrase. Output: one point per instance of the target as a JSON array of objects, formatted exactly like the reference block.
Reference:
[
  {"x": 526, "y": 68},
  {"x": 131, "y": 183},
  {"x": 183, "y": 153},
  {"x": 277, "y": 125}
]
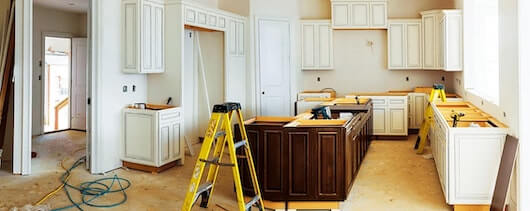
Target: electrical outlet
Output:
[
  {"x": 407, "y": 78},
  {"x": 133, "y": 88},
  {"x": 443, "y": 78},
  {"x": 124, "y": 88},
  {"x": 318, "y": 79}
]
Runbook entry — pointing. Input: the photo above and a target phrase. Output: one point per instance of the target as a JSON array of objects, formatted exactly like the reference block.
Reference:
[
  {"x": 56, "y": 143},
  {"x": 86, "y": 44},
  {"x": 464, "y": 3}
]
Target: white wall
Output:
[
  {"x": 48, "y": 20},
  {"x": 112, "y": 98}
]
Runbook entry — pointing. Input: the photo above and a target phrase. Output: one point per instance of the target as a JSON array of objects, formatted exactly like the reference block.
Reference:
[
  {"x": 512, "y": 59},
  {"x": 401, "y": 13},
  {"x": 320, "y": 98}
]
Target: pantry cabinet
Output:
[
  {"x": 143, "y": 36},
  {"x": 404, "y": 44},
  {"x": 354, "y": 14},
  {"x": 317, "y": 45},
  {"x": 152, "y": 137},
  {"x": 442, "y": 40},
  {"x": 390, "y": 115}
]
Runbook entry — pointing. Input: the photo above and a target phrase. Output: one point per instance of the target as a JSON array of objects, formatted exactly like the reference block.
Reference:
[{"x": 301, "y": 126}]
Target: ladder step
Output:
[
  {"x": 202, "y": 188},
  {"x": 219, "y": 134},
  {"x": 215, "y": 161},
  {"x": 252, "y": 202},
  {"x": 240, "y": 144}
]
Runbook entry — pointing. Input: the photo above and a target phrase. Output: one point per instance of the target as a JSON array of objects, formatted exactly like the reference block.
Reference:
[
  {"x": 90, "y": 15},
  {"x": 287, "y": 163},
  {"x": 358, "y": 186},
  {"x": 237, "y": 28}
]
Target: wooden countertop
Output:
[{"x": 390, "y": 93}]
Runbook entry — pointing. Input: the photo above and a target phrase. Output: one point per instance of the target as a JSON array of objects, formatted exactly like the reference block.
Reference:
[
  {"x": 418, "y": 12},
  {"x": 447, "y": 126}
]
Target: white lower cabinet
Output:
[
  {"x": 467, "y": 160},
  {"x": 390, "y": 115},
  {"x": 417, "y": 104},
  {"x": 152, "y": 137}
]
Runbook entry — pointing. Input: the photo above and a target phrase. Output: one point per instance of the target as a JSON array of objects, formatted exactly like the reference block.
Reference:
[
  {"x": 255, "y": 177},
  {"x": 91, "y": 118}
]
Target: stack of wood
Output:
[{"x": 7, "y": 51}]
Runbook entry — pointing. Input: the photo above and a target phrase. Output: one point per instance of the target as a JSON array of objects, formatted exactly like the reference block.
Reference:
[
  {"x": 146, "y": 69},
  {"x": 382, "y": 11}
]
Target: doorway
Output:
[
  {"x": 57, "y": 77},
  {"x": 204, "y": 66},
  {"x": 59, "y": 96}
]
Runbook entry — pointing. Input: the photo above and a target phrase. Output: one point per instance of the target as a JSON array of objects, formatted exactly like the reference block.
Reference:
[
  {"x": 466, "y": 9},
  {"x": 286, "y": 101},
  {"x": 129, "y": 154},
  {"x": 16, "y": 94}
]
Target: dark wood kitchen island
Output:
[{"x": 298, "y": 159}]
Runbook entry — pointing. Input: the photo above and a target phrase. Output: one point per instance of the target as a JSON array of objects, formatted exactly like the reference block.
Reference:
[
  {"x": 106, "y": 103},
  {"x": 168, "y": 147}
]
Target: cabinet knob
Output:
[{"x": 262, "y": 93}]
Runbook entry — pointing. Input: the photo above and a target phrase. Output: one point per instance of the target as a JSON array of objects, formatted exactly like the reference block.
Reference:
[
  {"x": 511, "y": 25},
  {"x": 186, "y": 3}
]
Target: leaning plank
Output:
[{"x": 5, "y": 89}]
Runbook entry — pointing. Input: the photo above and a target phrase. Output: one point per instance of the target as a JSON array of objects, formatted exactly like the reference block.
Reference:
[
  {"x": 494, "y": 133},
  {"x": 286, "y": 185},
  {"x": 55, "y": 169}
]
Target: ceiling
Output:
[{"x": 77, "y": 6}]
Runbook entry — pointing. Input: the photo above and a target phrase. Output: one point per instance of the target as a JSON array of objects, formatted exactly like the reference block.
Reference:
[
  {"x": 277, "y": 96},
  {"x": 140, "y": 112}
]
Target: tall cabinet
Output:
[
  {"x": 359, "y": 14},
  {"x": 143, "y": 36},
  {"x": 442, "y": 40},
  {"x": 317, "y": 45},
  {"x": 404, "y": 44}
]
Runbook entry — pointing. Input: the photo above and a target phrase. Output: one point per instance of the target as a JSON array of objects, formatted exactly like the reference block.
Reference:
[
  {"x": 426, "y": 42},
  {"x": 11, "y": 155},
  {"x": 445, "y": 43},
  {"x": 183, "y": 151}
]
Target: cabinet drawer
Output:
[
  {"x": 396, "y": 101},
  {"x": 378, "y": 101}
]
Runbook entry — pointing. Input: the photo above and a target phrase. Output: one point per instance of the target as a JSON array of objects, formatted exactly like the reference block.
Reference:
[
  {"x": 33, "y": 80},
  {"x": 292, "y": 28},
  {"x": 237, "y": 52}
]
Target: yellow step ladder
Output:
[
  {"x": 222, "y": 116},
  {"x": 438, "y": 91}
]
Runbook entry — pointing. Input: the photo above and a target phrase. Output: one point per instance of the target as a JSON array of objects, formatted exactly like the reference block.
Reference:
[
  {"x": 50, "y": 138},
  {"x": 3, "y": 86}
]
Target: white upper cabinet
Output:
[
  {"x": 355, "y": 14},
  {"x": 236, "y": 38},
  {"x": 317, "y": 45},
  {"x": 143, "y": 36},
  {"x": 404, "y": 44},
  {"x": 442, "y": 40}
]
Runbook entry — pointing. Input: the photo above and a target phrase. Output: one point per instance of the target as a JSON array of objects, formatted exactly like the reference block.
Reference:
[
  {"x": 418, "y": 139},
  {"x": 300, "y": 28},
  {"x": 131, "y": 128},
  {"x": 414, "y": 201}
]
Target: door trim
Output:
[{"x": 257, "y": 60}]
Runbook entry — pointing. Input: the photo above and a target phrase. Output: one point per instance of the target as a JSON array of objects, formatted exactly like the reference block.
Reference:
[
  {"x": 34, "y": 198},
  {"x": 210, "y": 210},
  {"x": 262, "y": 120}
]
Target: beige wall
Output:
[
  {"x": 47, "y": 20},
  {"x": 240, "y": 7},
  {"x": 212, "y": 47},
  {"x": 361, "y": 68}
]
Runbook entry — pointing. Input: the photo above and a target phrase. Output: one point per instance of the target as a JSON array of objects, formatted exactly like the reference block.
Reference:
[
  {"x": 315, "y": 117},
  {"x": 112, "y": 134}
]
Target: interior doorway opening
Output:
[
  {"x": 204, "y": 71},
  {"x": 57, "y": 78}
]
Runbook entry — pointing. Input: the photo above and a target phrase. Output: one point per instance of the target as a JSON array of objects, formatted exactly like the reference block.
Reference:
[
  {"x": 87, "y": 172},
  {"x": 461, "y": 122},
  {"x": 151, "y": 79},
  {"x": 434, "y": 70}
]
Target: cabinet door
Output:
[
  {"x": 378, "y": 13},
  {"x": 327, "y": 160},
  {"x": 130, "y": 33},
  {"x": 240, "y": 29},
  {"x": 429, "y": 42},
  {"x": 396, "y": 46},
  {"x": 165, "y": 138},
  {"x": 325, "y": 46},
  {"x": 308, "y": 46},
  {"x": 349, "y": 158},
  {"x": 341, "y": 14},
  {"x": 273, "y": 152},
  {"x": 360, "y": 17},
  {"x": 397, "y": 120},
  {"x": 453, "y": 43},
  {"x": 147, "y": 37},
  {"x": 232, "y": 37},
  {"x": 175, "y": 140},
  {"x": 299, "y": 166},
  {"x": 413, "y": 37},
  {"x": 158, "y": 39},
  {"x": 419, "y": 110},
  {"x": 140, "y": 137},
  {"x": 379, "y": 119},
  {"x": 440, "y": 41}
]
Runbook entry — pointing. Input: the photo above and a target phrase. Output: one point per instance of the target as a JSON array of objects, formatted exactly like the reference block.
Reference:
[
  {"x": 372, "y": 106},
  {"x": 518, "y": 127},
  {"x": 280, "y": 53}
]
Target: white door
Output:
[
  {"x": 79, "y": 99},
  {"x": 273, "y": 61}
]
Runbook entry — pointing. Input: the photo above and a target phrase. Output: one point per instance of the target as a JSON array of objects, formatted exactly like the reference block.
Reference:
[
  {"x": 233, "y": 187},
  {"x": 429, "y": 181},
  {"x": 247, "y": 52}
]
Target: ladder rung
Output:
[
  {"x": 215, "y": 161},
  {"x": 252, "y": 202},
  {"x": 219, "y": 134},
  {"x": 240, "y": 144},
  {"x": 202, "y": 188}
]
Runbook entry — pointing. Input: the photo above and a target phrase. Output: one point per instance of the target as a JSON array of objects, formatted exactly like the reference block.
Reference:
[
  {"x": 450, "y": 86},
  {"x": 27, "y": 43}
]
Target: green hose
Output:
[{"x": 93, "y": 190}]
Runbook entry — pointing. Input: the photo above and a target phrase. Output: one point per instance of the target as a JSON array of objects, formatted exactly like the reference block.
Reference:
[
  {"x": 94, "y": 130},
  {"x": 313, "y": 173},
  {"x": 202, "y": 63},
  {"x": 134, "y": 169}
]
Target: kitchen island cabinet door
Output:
[
  {"x": 272, "y": 182},
  {"x": 328, "y": 161},
  {"x": 300, "y": 165},
  {"x": 253, "y": 135}
]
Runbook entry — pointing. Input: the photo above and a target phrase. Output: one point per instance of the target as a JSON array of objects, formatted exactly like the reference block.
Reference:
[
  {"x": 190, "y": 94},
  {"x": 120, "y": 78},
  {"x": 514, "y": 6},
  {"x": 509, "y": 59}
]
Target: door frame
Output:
[
  {"x": 23, "y": 86},
  {"x": 43, "y": 86},
  {"x": 257, "y": 61}
]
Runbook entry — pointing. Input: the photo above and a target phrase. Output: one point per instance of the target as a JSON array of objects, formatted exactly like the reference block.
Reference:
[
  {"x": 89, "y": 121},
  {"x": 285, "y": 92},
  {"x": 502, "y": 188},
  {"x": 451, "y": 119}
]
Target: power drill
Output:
[
  {"x": 456, "y": 117},
  {"x": 322, "y": 110}
]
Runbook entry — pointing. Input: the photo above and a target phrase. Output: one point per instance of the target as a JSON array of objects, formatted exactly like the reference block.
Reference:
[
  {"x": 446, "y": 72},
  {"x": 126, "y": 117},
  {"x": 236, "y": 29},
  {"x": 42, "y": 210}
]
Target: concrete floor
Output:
[{"x": 392, "y": 177}]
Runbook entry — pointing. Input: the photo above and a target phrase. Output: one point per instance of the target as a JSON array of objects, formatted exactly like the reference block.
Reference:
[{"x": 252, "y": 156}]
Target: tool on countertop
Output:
[
  {"x": 438, "y": 91},
  {"x": 323, "y": 111},
  {"x": 222, "y": 116},
  {"x": 357, "y": 99},
  {"x": 456, "y": 117}
]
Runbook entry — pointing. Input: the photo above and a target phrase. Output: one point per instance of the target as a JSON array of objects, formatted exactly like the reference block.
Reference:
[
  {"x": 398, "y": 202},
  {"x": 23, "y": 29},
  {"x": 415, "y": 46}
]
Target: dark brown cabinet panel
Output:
[
  {"x": 329, "y": 173},
  {"x": 299, "y": 165},
  {"x": 272, "y": 163}
]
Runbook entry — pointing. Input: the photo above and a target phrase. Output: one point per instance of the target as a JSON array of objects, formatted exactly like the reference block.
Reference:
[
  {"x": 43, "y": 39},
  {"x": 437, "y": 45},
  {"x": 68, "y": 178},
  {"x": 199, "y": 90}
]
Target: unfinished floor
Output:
[{"x": 392, "y": 177}]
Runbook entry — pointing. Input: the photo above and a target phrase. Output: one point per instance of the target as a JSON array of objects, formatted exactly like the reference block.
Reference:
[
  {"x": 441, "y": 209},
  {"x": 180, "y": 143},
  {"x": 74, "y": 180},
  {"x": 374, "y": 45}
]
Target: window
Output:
[{"x": 481, "y": 46}]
